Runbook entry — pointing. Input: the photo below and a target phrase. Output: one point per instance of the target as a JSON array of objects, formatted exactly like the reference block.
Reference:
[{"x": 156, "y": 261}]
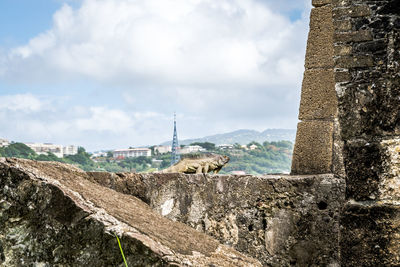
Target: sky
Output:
[{"x": 108, "y": 74}]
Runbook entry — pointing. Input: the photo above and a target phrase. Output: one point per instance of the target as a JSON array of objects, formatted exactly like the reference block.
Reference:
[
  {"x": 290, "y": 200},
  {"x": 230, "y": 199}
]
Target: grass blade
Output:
[{"x": 122, "y": 252}]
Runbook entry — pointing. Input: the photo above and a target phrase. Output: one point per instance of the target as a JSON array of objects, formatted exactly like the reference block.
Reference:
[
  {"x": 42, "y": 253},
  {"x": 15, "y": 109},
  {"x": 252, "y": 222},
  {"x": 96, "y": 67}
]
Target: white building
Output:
[
  {"x": 45, "y": 148},
  {"x": 99, "y": 154},
  {"x": 4, "y": 142},
  {"x": 70, "y": 150},
  {"x": 58, "y": 150},
  {"x": 253, "y": 146},
  {"x": 163, "y": 149},
  {"x": 191, "y": 149},
  {"x": 131, "y": 153},
  {"x": 225, "y": 146}
]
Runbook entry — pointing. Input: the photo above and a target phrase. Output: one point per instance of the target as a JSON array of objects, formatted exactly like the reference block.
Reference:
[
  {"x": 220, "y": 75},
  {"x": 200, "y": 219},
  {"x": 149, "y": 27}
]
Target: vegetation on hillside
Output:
[{"x": 268, "y": 157}]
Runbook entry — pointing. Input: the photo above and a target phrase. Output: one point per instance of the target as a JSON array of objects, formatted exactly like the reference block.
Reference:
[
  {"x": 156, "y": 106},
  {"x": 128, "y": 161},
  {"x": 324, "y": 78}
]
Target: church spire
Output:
[{"x": 175, "y": 146}]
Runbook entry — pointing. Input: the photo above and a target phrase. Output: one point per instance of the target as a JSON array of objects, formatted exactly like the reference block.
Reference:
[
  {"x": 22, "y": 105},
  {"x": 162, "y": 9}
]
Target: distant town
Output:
[
  {"x": 255, "y": 157},
  {"x": 252, "y": 158},
  {"x": 45, "y": 148},
  {"x": 119, "y": 154}
]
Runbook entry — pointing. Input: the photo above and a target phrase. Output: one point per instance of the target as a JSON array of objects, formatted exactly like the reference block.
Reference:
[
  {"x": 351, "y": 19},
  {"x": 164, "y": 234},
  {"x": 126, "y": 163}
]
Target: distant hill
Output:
[{"x": 244, "y": 137}]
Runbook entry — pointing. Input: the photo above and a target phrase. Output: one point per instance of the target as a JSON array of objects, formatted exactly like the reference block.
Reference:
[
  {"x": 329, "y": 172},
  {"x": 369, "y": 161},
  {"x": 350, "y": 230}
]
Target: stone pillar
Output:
[
  {"x": 367, "y": 76},
  {"x": 313, "y": 151}
]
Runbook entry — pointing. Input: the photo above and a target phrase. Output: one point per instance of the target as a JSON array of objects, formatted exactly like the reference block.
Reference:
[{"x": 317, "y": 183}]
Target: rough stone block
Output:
[
  {"x": 347, "y": 62},
  {"x": 342, "y": 25},
  {"x": 313, "y": 148},
  {"x": 342, "y": 76},
  {"x": 343, "y": 50},
  {"x": 318, "y": 96},
  {"x": 340, "y": 3},
  {"x": 356, "y": 36},
  {"x": 320, "y": 39},
  {"x": 370, "y": 235},
  {"x": 319, "y": 3},
  {"x": 351, "y": 11},
  {"x": 369, "y": 106},
  {"x": 373, "y": 170},
  {"x": 375, "y": 47}
]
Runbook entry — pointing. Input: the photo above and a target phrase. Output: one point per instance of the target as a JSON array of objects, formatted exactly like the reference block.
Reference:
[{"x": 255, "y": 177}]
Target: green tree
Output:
[
  {"x": 18, "y": 150},
  {"x": 82, "y": 158},
  {"x": 49, "y": 157}
]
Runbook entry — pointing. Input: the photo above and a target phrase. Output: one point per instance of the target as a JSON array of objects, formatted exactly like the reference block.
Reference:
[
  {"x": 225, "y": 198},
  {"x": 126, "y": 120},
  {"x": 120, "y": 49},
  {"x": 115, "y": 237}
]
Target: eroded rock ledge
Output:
[
  {"x": 51, "y": 214},
  {"x": 280, "y": 220}
]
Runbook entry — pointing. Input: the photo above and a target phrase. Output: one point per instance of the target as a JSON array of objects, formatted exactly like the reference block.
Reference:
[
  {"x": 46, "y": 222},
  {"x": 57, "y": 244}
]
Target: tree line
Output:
[{"x": 268, "y": 157}]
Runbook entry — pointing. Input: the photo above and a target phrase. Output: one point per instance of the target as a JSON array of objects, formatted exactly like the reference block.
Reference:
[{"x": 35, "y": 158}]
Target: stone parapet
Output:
[
  {"x": 280, "y": 220},
  {"x": 53, "y": 215}
]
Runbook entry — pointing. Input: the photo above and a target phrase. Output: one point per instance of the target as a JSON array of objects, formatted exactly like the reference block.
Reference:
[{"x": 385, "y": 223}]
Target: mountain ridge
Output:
[{"x": 243, "y": 137}]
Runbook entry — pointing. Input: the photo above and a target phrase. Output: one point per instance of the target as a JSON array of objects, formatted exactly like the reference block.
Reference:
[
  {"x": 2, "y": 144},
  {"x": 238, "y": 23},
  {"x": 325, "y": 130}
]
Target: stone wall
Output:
[
  {"x": 313, "y": 151},
  {"x": 350, "y": 121},
  {"x": 280, "y": 220},
  {"x": 367, "y": 76},
  {"x": 52, "y": 215}
]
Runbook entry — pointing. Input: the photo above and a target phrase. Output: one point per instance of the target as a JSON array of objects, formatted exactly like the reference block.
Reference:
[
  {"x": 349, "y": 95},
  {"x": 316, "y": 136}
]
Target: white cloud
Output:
[
  {"x": 31, "y": 118},
  {"x": 102, "y": 119},
  {"x": 222, "y": 65},
  {"x": 20, "y": 102},
  {"x": 191, "y": 42}
]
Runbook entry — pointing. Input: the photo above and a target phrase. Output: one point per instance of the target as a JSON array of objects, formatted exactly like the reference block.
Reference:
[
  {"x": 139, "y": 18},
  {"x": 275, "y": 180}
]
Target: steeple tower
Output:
[{"x": 175, "y": 146}]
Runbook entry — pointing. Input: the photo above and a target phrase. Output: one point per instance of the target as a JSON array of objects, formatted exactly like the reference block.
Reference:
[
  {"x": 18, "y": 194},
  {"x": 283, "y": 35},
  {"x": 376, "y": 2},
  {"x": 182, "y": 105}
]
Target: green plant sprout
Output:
[{"x": 122, "y": 252}]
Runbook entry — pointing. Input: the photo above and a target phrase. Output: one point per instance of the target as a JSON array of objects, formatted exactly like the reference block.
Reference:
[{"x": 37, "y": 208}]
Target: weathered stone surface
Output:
[
  {"x": 354, "y": 36},
  {"x": 52, "y": 214},
  {"x": 318, "y": 3},
  {"x": 343, "y": 50},
  {"x": 342, "y": 25},
  {"x": 369, "y": 108},
  {"x": 348, "y": 62},
  {"x": 318, "y": 95},
  {"x": 367, "y": 65},
  {"x": 337, "y": 155},
  {"x": 369, "y": 101},
  {"x": 373, "y": 170},
  {"x": 370, "y": 235},
  {"x": 342, "y": 76},
  {"x": 280, "y": 220},
  {"x": 320, "y": 39},
  {"x": 351, "y": 12},
  {"x": 313, "y": 148}
]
